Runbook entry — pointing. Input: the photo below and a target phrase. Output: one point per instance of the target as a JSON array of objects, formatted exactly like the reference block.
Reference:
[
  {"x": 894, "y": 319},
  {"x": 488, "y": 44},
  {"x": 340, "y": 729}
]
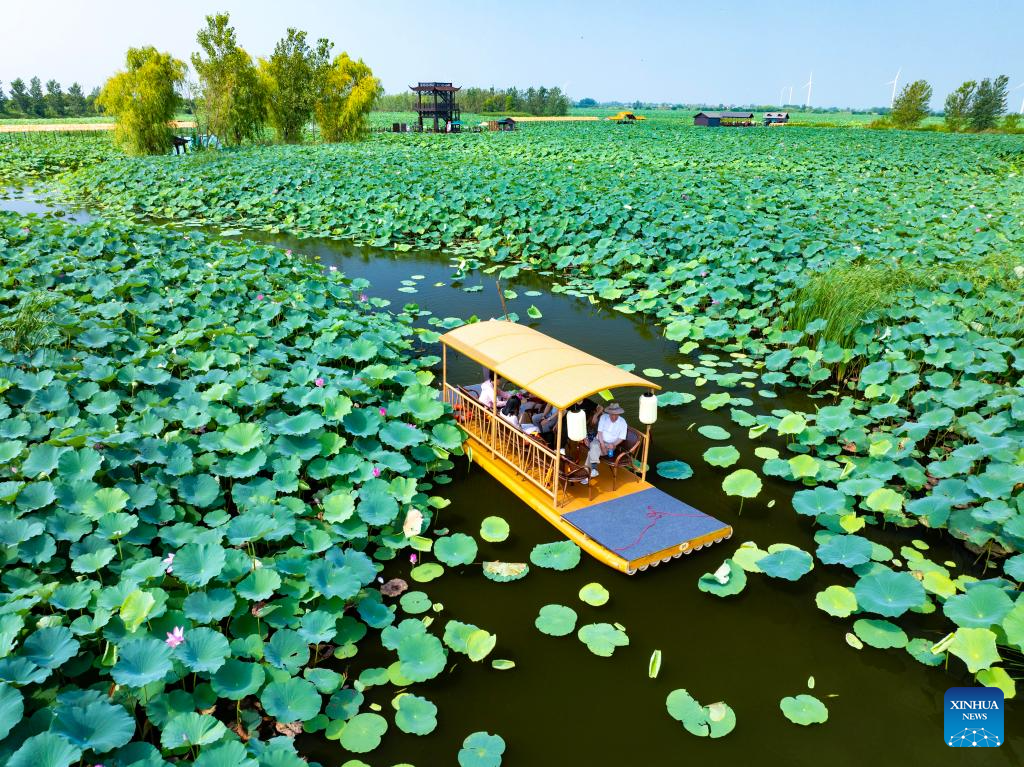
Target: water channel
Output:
[{"x": 562, "y": 705}]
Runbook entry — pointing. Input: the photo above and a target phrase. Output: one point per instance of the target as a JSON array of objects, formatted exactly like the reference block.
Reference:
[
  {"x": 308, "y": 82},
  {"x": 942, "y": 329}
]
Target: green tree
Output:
[
  {"x": 91, "y": 107},
  {"x": 958, "y": 106},
  {"x": 988, "y": 104},
  {"x": 75, "y": 100},
  {"x": 20, "y": 99},
  {"x": 143, "y": 99},
  {"x": 54, "y": 99},
  {"x": 911, "y": 106},
  {"x": 37, "y": 103},
  {"x": 346, "y": 92},
  {"x": 232, "y": 101},
  {"x": 290, "y": 79},
  {"x": 3, "y": 99}
]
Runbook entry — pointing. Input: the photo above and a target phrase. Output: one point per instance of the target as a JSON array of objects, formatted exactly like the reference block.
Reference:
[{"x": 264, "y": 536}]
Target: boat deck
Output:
[{"x": 630, "y": 528}]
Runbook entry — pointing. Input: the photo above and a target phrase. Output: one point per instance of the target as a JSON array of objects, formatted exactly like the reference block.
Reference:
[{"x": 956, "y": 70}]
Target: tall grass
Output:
[{"x": 853, "y": 298}]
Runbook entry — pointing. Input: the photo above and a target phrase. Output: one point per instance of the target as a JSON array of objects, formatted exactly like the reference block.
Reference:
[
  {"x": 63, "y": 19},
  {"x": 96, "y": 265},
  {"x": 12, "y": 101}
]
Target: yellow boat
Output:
[{"x": 618, "y": 517}]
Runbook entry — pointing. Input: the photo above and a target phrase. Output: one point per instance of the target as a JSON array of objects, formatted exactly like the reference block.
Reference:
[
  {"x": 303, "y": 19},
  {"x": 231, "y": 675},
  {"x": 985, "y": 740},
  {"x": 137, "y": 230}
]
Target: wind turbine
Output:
[
  {"x": 1017, "y": 88},
  {"x": 893, "y": 82},
  {"x": 790, "y": 95},
  {"x": 809, "y": 86}
]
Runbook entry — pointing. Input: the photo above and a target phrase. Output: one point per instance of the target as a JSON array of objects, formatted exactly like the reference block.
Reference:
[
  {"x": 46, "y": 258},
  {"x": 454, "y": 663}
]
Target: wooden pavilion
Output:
[{"x": 436, "y": 101}]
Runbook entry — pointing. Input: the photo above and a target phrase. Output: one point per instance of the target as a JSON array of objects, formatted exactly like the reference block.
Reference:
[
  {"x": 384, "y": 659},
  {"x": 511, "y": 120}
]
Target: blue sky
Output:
[{"x": 742, "y": 51}]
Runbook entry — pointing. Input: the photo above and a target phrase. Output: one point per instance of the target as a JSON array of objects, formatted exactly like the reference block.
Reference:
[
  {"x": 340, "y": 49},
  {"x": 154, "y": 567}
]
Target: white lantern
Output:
[
  {"x": 648, "y": 408},
  {"x": 576, "y": 420}
]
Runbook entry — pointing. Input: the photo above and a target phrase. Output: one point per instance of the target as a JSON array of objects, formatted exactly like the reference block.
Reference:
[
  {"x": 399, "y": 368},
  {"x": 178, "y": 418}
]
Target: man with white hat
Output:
[{"x": 611, "y": 431}]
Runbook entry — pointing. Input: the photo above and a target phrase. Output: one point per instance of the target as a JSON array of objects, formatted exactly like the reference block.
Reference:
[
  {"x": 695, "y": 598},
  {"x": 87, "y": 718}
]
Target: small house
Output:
[
  {"x": 724, "y": 119},
  {"x": 776, "y": 118},
  {"x": 506, "y": 124}
]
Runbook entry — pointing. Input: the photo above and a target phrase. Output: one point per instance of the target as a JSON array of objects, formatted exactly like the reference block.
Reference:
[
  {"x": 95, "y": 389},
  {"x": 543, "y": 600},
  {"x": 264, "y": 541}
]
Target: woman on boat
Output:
[
  {"x": 491, "y": 387},
  {"x": 514, "y": 413}
]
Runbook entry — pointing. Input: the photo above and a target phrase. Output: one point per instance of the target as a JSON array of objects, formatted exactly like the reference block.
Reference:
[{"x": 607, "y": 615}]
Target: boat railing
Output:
[{"x": 529, "y": 457}]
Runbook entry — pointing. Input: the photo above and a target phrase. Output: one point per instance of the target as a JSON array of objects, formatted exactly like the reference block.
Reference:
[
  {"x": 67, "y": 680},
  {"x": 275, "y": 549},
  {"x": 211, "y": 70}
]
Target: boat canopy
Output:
[{"x": 554, "y": 371}]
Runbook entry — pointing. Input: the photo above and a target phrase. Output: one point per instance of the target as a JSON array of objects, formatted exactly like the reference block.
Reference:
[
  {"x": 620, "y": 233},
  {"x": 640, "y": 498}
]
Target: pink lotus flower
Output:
[
  {"x": 383, "y": 411},
  {"x": 362, "y": 296},
  {"x": 319, "y": 382},
  {"x": 977, "y": 228},
  {"x": 376, "y": 471},
  {"x": 413, "y": 558},
  {"x": 713, "y": 302},
  {"x": 288, "y": 252},
  {"x": 168, "y": 562},
  {"x": 176, "y": 637},
  {"x": 259, "y": 297},
  {"x": 703, "y": 274}
]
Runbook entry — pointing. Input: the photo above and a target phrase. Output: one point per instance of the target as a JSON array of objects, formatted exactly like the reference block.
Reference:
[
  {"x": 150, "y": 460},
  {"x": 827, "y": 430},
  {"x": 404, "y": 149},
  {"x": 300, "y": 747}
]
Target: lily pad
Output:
[
  {"x": 494, "y": 529},
  {"x": 804, "y": 709},
  {"x": 556, "y": 620},
  {"x": 602, "y": 638},
  {"x": 674, "y": 470},
  {"x": 594, "y": 594},
  {"x": 561, "y": 555},
  {"x": 481, "y": 749}
]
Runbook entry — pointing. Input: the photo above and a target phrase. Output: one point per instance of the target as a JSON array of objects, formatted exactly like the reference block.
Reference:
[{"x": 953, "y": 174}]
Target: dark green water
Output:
[{"x": 562, "y": 705}]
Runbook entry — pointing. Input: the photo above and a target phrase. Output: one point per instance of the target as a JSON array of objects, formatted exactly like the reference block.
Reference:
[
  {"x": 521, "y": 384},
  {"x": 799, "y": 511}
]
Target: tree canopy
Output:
[
  {"x": 911, "y": 106},
  {"x": 143, "y": 99}
]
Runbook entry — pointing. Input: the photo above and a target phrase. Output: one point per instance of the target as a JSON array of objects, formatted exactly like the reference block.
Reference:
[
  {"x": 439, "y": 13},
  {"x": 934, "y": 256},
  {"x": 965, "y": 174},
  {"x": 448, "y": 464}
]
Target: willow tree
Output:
[
  {"x": 143, "y": 100},
  {"x": 290, "y": 78},
  {"x": 346, "y": 92},
  {"x": 232, "y": 101}
]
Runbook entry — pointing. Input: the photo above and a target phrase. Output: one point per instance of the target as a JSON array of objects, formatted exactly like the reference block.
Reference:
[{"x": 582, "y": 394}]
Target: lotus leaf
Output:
[
  {"x": 846, "y": 550},
  {"x": 804, "y": 709},
  {"x": 47, "y": 749},
  {"x": 594, "y": 594},
  {"x": 494, "y": 529},
  {"x": 186, "y": 731},
  {"x": 722, "y": 456},
  {"x": 291, "y": 700},
  {"x": 98, "y": 726},
  {"x": 456, "y": 549},
  {"x": 674, "y": 470},
  {"x": 735, "y": 580},
  {"x": 888, "y": 593},
  {"x": 481, "y": 749},
  {"x": 881, "y": 634},
  {"x": 602, "y": 638},
  {"x": 556, "y": 620},
  {"x": 742, "y": 482},
  {"x": 790, "y": 564},
  {"x": 976, "y": 647},
  {"x": 363, "y": 732},
  {"x": 561, "y": 555},
  {"x": 415, "y": 715},
  {"x": 837, "y": 600},
  {"x": 982, "y": 606}
]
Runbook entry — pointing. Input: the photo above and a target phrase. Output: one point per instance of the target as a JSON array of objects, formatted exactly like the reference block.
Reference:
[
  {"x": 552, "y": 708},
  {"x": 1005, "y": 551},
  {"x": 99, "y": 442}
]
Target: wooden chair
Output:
[
  {"x": 572, "y": 473},
  {"x": 626, "y": 454}
]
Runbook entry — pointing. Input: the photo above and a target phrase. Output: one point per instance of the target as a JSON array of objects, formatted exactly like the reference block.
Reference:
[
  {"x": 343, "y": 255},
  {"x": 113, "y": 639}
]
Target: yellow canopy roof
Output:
[{"x": 554, "y": 371}]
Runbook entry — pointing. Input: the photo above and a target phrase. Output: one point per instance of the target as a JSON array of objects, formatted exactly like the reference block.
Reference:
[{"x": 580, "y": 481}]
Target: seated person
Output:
[
  {"x": 611, "y": 432},
  {"x": 546, "y": 419},
  {"x": 487, "y": 391},
  {"x": 513, "y": 413}
]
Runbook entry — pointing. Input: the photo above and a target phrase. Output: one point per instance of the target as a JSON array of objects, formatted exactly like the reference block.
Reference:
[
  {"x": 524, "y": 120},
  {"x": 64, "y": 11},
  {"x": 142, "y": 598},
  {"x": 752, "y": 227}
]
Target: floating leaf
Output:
[
  {"x": 494, "y": 529},
  {"x": 602, "y": 638},
  {"x": 556, "y": 620},
  {"x": 594, "y": 594},
  {"x": 561, "y": 555},
  {"x": 674, "y": 470},
  {"x": 804, "y": 709},
  {"x": 481, "y": 749}
]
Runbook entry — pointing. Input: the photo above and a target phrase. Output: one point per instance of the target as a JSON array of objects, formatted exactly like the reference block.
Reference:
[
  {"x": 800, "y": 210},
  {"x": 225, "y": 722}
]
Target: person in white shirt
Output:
[
  {"x": 487, "y": 391},
  {"x": 611, "y": 431}
]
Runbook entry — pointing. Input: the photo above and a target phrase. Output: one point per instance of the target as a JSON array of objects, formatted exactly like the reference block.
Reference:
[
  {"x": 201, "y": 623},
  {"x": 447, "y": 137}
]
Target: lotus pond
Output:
[{"x": 855, "y": 611}]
